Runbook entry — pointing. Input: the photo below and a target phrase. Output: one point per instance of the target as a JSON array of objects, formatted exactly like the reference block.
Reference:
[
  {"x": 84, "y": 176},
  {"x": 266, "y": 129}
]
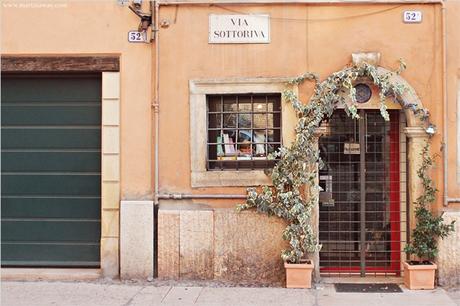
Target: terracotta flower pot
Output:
[
  {"x": 419, "y": 276},
  {"x": 298, "y": 275}
]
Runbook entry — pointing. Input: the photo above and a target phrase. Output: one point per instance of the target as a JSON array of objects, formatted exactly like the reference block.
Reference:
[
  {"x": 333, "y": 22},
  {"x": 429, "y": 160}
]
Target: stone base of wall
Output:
[
  {"x": 449, "y": 253},
  {"x": 136, "y": 240},
  {"x": 199, "y": 242}
]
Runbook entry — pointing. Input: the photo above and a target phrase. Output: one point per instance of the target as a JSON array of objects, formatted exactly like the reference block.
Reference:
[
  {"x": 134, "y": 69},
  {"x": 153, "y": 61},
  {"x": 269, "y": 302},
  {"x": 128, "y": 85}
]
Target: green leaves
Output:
[
  {"x": 402, "y": 66},
  {"x": 306, "y": 76},
  {"x": 383, "y": 107}
]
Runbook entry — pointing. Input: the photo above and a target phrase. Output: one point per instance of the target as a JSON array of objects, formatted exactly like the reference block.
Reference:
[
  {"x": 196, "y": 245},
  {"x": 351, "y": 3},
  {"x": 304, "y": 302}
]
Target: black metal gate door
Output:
[{"x": 360, "y": 206}]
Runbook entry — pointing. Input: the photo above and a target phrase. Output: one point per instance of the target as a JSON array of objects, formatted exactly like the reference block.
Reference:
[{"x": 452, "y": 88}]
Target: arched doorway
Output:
[{"x": 370, "y": 180}]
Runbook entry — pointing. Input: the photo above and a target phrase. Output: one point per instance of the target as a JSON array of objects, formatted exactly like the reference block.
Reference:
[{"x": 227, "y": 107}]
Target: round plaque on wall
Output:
[{"x": 363, "y": 93}]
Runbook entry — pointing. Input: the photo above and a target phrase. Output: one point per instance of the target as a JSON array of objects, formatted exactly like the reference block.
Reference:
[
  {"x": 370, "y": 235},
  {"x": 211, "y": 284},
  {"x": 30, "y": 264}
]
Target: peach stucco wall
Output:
[
  {"x": 453, "y": 88},
  {"x": 323, "y": 44},
  {"x": 94, "y": 27}
]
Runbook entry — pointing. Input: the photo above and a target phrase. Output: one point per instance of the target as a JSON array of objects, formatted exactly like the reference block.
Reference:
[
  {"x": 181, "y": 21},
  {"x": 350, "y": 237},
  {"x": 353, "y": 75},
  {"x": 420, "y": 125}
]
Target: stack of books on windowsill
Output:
[
  {"x": 225, "y": 143},
  {"x": 226, "y": 150}
]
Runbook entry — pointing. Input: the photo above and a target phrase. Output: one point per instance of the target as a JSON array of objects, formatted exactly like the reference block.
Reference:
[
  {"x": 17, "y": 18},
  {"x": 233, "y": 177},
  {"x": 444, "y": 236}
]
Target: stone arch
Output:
[{"x": 409, "y": 97}]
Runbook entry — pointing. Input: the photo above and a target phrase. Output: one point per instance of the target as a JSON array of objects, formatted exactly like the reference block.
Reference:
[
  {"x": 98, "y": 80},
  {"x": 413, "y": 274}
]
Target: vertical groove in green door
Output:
[{"x": 51, "y": 170}]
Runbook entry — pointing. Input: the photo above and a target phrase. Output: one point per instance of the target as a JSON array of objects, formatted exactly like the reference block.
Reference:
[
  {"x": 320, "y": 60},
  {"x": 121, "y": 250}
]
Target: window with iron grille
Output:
[{"x": 242, "y": 131}]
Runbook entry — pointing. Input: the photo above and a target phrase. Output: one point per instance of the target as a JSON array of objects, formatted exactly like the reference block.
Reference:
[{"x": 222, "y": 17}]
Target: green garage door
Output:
[{"x": 51, "y": 180}]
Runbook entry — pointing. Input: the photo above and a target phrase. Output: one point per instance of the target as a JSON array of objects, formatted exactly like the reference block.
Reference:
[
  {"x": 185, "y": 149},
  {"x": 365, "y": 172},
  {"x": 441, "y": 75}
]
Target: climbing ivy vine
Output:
[
  {"x": 295, "y": 187},
  {"x": 429, "y": 227}
]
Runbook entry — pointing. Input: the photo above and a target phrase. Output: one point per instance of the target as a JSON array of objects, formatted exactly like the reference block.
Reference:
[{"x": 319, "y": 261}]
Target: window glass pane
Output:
[
  {"x": 259, "y": 142},
  {"x": 244, "y": 120},
  {"x": 230, "y": 120},
  {"x": 274, "y": 104},
  {"x": 229, "y": 103},
  {"x": 274, "y": 135},
  {"x": 212, "y": 152},
  {"x": 214, "y": 103},
  {"x": 244, "y": 104},
  {"x": 260, "y": 121},
  {"x": 213, "y": 137},
  {"x": 274, "y": 120},
  {"x": 244, "y": 136},
  {"x": 214, "y": 120},
  {"x": 260, "y": 104}
]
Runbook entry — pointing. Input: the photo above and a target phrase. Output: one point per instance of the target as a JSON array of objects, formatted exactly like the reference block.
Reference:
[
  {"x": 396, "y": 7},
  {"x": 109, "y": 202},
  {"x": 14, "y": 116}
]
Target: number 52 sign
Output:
[
  {"x": 412, "y": 16},
  {"x": 137, "y": 36}
]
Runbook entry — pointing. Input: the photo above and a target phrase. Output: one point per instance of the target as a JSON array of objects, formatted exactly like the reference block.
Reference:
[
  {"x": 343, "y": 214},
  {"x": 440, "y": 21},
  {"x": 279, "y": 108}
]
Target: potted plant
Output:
[{"x": 419, "y": 273}]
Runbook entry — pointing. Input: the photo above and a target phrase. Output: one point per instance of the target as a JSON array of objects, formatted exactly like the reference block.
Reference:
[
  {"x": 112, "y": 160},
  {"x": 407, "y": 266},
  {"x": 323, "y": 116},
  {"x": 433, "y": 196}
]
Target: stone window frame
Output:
[{"x": 198, "y": 90}]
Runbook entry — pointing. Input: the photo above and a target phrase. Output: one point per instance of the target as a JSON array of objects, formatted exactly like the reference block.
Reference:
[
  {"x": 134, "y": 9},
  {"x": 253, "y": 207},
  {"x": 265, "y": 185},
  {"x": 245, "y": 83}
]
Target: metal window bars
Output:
[{"x": 242, "y": 131}]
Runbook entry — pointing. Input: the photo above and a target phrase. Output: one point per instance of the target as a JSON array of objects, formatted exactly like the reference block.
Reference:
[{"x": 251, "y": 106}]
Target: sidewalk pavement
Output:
[{"x": 130, "y": 294}]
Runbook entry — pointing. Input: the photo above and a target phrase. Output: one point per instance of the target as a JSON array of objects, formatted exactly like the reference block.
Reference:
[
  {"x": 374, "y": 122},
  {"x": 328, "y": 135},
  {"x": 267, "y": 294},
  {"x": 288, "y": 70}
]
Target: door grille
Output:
[{"x": 363, "y": 203}]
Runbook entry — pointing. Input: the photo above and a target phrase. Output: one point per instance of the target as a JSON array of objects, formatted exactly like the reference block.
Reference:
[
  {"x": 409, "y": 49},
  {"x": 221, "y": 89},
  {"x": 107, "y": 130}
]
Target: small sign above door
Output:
[
  {"x": 351, "y": 148},
  {"x": 239, "y": 29}
]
